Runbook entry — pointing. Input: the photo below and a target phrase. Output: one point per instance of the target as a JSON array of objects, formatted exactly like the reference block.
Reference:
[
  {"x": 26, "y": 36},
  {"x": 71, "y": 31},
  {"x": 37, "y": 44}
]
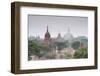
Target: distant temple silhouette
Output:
[
  {"x": 47, "y": 35},
  {"x": 48, "y": 39}
]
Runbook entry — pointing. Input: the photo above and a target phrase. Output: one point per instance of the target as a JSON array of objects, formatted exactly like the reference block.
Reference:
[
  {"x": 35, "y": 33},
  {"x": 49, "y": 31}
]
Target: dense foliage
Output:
[
  {"x": 76, "y": 45},
  {"x": 34, "y": 48},
  {"x": 81, "y": 53},
  {"x": 42, "y": 51},
  {"x": 61, "y": 46}
]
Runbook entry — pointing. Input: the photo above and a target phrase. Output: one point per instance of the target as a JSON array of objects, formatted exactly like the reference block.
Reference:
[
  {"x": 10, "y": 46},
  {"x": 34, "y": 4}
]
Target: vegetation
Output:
[
  {"x": 34, "y": 48},
  {"x": 76, "y": 45},
  {"x": 61, "y": 46},
  {"x": 81, "y": 53},
  {"x": 40, "y": 50}
]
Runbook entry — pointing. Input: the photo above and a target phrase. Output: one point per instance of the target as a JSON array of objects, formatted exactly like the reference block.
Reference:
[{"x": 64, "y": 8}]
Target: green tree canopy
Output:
[{"x": 81, "y": 53}]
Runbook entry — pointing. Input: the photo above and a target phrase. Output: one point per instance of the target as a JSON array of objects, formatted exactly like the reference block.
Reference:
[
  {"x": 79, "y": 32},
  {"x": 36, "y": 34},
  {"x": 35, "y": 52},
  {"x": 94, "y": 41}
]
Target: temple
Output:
[
  {"x": 58, "y": 47},
  {"x": 47, "y": 37}
]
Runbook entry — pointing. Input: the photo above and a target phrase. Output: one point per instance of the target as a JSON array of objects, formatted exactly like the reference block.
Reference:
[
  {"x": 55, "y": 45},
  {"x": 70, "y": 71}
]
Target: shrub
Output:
[{"x": 81, "y": 53}]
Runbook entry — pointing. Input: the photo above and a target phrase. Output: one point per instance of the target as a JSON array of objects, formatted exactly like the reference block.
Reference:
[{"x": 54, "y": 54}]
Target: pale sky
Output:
[{"x": 57, "y": 24}]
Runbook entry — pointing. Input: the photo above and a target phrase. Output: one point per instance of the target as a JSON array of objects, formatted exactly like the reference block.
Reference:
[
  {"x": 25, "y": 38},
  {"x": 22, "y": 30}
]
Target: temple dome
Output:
[
  {"x": 59, "y": 38},
  {"x": 68, "y": 36}
]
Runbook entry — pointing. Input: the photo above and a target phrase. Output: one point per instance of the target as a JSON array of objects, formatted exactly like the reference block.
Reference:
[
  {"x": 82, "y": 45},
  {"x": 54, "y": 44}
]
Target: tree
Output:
[
  {"x": 61, "y": 45},
  {"x": 33, "y": 49},
  {"x": 81, "y": 53},
  {"x": 76, "y": 45}
]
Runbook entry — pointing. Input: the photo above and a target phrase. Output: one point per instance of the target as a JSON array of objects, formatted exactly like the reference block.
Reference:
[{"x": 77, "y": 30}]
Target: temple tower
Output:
[{"x": 47, "y": 35}]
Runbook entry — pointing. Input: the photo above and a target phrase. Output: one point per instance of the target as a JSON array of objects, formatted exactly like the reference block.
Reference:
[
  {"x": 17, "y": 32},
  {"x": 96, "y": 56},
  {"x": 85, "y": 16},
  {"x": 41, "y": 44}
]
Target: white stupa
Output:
[{"x": 68, "y": 35}]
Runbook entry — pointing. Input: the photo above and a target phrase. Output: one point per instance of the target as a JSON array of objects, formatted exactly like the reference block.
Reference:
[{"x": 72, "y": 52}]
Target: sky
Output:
[{"x": 37, "y": 25}]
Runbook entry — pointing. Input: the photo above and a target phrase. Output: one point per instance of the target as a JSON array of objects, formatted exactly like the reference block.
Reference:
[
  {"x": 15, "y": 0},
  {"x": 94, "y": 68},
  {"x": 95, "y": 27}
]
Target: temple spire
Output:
[{"x": 47, "y": 35}]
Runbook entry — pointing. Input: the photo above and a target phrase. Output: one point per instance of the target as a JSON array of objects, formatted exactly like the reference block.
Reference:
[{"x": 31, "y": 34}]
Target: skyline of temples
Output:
[
  {"x": 57, "y": 24},
  {"x": 47, "y": 35}
]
